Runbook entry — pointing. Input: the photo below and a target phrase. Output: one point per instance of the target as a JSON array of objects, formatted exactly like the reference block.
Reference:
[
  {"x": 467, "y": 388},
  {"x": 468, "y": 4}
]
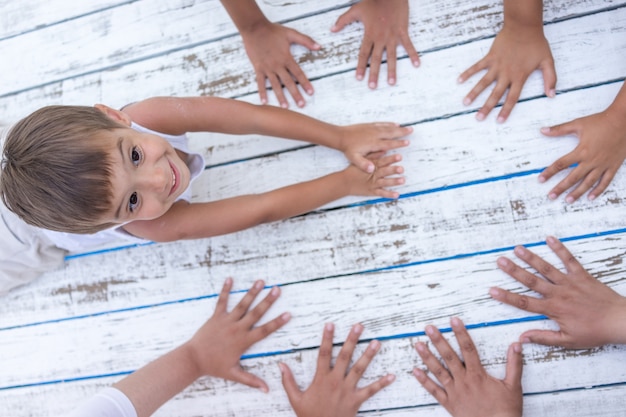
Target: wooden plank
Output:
[
  {"x": 29, "y": 15},
  {"x": 546, "y": 369},
  {"x": 420, "y": 293},
  {"x": 145, "y": 275},
  {"x": 187, "y": 72}
]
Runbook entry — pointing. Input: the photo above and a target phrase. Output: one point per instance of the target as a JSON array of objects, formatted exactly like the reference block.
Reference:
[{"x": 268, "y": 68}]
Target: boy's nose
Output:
[{"x": 157, "y": 180}]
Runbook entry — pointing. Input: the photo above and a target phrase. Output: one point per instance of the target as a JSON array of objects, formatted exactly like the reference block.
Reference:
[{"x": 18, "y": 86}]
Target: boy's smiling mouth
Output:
[{"x": 175, "y": 176}]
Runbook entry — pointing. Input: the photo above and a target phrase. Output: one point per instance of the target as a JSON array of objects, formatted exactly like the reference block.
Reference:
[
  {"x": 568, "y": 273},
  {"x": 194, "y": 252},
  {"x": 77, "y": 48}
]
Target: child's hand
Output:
[
  {"x": 359, "y": 141},
  {"x": 218, "y": 345},
  {"x": 386, "y": 25},
  {"x": 599, "y": 154},
  {"x": 465, "y": 389},
  {"x": 385, "y": 175},
  {"x": 268, "y": 49},
  {"x": 334, "y": 391},
  {"x": 588, "y": 312},
  {"x": 513, "y": 56}
]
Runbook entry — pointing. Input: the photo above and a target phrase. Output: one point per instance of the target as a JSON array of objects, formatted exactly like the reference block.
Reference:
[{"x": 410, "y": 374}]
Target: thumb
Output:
[
  {"x": 362, "y": 163},
  {"x": 246, "y": 378},
  {"x": 549, "y": 78},
  {"x": 289, "y": 383},
  {"x": 513, "y": 375},
  {"x": 569, "y": 128},
  {"x": 344, "y": 20},
  {"x": 301, "y": 39}
]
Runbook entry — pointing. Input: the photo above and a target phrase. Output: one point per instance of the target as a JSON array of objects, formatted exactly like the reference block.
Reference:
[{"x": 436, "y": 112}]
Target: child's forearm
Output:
[
  {"x": 619, "y": 104},
  {"x": 154, "y": 384},
  {"x": 245, "y": 14},
  {"x": 525, "y": 14}
]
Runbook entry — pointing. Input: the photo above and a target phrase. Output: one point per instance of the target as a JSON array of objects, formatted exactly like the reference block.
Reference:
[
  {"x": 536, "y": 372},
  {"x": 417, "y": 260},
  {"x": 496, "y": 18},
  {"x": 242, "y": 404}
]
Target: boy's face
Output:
[{"x": 148, "y": 175}]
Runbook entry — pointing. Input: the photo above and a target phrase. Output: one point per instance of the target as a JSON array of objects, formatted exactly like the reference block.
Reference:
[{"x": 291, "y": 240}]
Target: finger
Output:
[
  {"x": 246, "y": 378},
  {"x": 544, "y": 268},
  {"x": 254, "y": 315},
  {"x": 391, "y": 64},
  {"x": 363, "y": 57},
  {"x": 344, "y": 20},
  {"x": 545, "y": 337},
  {"x": 605, "y": 180},
  {"x": 523, "y": 302},
  {"x": 260, "y": 82},
  {"x": 375, "y": 60},
  {"x": 525, "y": 277},
  {"x": 222, "y": 300},
  {"x": 278, "y": 90},
  {"x": 363, "y": 163},
  {"x": 345, "y": 354},
  {"x": 388, "y": 194},
  {"x": 432, "y": 363},
  {"x": 492, "y": 100},
  {"x": 513, "y": 375},
  {"x": 577, "y": 174},
  {"x": 293, "y": 36},
  {"x": 370, "y": 390},
  {"x": 482, "y": 84},
  {"x": 510, "y": 102},
  {"x": 289, "y": 383},
  {"x": 468, "y": 349},
  {"x": 410, "y": 49},
  {"x": 569, "y": 128},
  {"x": 586, "y": 184},
  {"x": 549, "y": 77},
  {"x": 570, "y": 262},
  {"x": 270, "y": 327},
  {"x": 449, "y": 356},
  {"x": 292, "y": 87},
  {"x": 300, "y": 77},
  {"x": 387, "y": 161},
  {"x": 559, "y": 165},
  {"x": 326, "y": 349},
  {"x": 471, "y": 71},
  {"x": 431, "y": 386},
  {"x": 360, "y": 366},
  {"x": 242, "y": 307}
]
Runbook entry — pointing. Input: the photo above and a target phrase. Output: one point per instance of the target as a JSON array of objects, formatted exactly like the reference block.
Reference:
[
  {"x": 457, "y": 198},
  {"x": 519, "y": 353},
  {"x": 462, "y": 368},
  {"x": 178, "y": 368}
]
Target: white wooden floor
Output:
[{"x": 471, "y": 195}]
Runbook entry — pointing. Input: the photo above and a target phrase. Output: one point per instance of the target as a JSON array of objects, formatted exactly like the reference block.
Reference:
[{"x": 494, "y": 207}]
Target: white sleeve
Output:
[{"x": 109, "y": 402}]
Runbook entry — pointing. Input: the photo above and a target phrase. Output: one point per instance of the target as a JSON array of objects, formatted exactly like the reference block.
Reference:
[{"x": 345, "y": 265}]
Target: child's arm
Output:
[
  {"x": 267, "y": 45},
  {"x": 199, "y": 220},
  {"x": 588, "y": 312},
  {"x": 386, "y": 24},
  {"x": 599, "y": 154},
  {"x": 334, "y": 390},
  {"x": 176, "y": 116},
  {"x": 214, "y": 350},
  {"x": 465, "y": 388},
  {"x": 518, "y": 50}
]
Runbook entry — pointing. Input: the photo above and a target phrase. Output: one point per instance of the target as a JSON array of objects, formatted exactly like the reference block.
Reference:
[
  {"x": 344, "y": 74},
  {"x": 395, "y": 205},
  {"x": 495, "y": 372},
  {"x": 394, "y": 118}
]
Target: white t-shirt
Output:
[{"x": 110, "y": 402}]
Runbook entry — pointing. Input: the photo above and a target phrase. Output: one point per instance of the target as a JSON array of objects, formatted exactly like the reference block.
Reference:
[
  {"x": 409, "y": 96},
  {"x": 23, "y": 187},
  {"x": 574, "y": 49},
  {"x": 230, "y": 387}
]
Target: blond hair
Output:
[{"x": 56, "y": 169}]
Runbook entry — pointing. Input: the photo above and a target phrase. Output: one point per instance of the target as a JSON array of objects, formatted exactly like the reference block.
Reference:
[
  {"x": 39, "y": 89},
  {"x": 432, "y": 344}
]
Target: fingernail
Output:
[
  {"x": 542, "y": 179},
  {"x": 552, "y": 93},
  {"x": 359, "y": 77},
  {"x": 591, "y": 197},
  {"x": 520, "y": 250},
  {"x": 264, "y": 101},
  {"x": 357, "y": 328},
  {"x": 480, "y": 117},
  {"x": 390, "y": 378},
  {"x": 258, "y": 285},
  {"x": 494, "y": 292},
  {"x": 545, "y": 130},
  {"x": 372, "y": 85},
  {"x": 329, "y": 327},
  {"x": 284, "y": 105},
  {"x": 316, "y": 46},
  {"x": 500, "y": 119},
  {"x": 552, "y": 196},
  {"x": 460, "y": 81},
  {"x": 286, "y": 316},
  {"x": 264, "y": 389},
  {"x": 525, "y": 340},
  {"x": 517, "y": 348},
  {"x": 281, "y": 366},
  {"x": 309, "y": 91},
  {"x": 301, "y": 103},
  {"x": 551, "y": 239},
  {"x": 392, "y": 81},
  {"x": 430, "y": 330},
  {"x": 275, "y": 291},
  {"x": 420, "y": 347},
  {"x": 503, "y": 261},
  {"x": 416, "y": 63},
  {"x": 374, "y": 345},
  {"x": 467, "y": 101},
  {"x": 455, "y": 322},
  {"x": 569, "y": 199}
]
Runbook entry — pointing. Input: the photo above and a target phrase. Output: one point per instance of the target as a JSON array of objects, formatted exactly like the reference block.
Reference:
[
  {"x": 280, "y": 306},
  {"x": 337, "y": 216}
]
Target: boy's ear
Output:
[{"x": 114, "y": 114}]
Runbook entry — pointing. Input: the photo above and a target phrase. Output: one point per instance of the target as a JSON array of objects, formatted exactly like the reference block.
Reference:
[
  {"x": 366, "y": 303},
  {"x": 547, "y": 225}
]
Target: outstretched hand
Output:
[
  {"x": 465, "y": 389},
  {"x": 219, "y": 344},
  {"x": 334, "y": 391},
  {"x": 600, "y": 153},
  {"x": 386, "y": 25},
  {"x": 513, "y": 56},
  {"x": 588, "y": 312},
  {"x": 359, "y": 141},
  {"x": 385, "y": 175},
  {"x": 268, "y": 48}
]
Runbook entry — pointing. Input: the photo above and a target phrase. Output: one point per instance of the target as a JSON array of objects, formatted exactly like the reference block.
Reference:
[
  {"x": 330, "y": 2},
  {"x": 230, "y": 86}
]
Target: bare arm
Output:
[
  {"x": 198, "y": 220},
  {"x": 176, "y": 116}
]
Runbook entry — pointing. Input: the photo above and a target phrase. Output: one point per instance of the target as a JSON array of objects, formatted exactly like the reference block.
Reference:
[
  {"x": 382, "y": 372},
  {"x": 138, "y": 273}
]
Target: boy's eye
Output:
[
  {"x": 135, "y": 155},
  {"x": 133, "y": 202}
]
